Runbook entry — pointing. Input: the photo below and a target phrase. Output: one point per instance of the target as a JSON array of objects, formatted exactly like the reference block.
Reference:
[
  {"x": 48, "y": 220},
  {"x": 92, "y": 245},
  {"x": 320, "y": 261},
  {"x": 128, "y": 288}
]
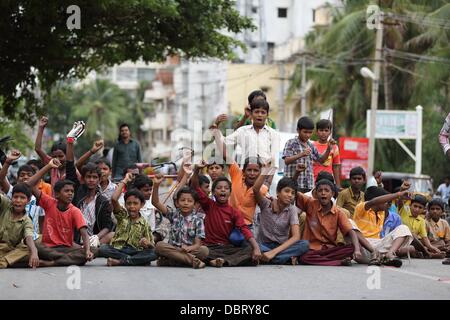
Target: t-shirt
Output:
[
  {"x": 242, "y": 197},
  {"x": 438, "y": 230},
  {"x": 59, "y": 225},
  {"x": 220, "y": 220},
  {"x": 369, "y": 222},
  {"x": 275, "y": 226},
  {"x": 416, "y": 225},
  {"x": 333, "y": 159},
  {"x": 12, "y": 232},
  {"x": 445, "y": 192},
  {"x": 55, "y": 173},
  {"x": 33, "y": 211}
]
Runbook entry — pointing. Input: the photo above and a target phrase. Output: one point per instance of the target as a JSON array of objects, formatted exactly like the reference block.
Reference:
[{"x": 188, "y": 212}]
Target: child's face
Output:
[
  {"x": 215, "y": 171},
  {"x": 305, "y": 134},
  {"x": 133, "y": 206},
  {"x": 60, "y": 155},
  {"x": 222, "y": 192},
  {"x": 65, "y": 195},
  {"x": 205, "y": 188},
  {"x": 286, "y": 196},
  {"x": 324, "y": 194},
  {"x": 24, "y": 176},
  {"x": 357, "y": 181},
  {"x": 186, "y": 203},
  {"x": 259, "y": 117},
  {"x": 323, "y": 134},
  {"x": 146, "y": 191},
  {"x": 92, "y": 180},
  {"x": 417, "y": 209},
  {"x": 106, "y": 171},
  {"x": 435, "y": 212},
  {"x": 19, "y": 201},
  {"x": 251, "y": 173}
]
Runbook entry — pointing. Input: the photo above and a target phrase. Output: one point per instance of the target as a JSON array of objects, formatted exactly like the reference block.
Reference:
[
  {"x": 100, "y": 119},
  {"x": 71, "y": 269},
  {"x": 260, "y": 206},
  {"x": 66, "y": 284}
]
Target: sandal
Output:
[
  {"x": 446, "y": 261},
  {"x": 347, "y": 262},
  {"x": 375, "y": 259},
  {"x": 394, "y": 262}
]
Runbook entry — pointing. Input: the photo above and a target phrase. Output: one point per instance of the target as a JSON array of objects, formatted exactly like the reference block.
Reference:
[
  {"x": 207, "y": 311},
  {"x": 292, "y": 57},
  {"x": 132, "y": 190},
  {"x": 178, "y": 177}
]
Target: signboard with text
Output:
[{"x": 392, "y": 124}]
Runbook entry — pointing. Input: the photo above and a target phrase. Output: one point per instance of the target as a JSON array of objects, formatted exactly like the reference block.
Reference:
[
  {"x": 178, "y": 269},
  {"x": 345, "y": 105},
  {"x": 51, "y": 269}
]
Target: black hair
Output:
[
  {"x": 22, "y": 188},
  {"x": 324, "y": 124},
  {"x": 397, "y": 189},
  {"x": 26, "y": 168},
  {"x": 131, "y": 166},
  {"x": 141, "y": 181},
  {"x": 252, "y": 160},
  {"x": 287, "y": 183},
  {"x": 60, "y": 184},
  {"x": 123, "y": 125},
  {"x": 213, "y": 160},
  {"x": 220, "y": 179},
  {"x": 254, "y": 94},
  {"x": 105, "y": 161},
  {"x": 61, "y": 145},
  {"x": 419, "y": 199},
  {"x": 374, "y": 192},
  {"x": 326, "y": 182},
  {"x": 325, "y": 175},
  {"x": 136, "y": 193},
  {"x": 187, "y": 190},
  {"x": 357, "y": 171},
  {"x": 203, "y": 179},
  {"x": 35, "y": 162},
  {"x": 436, "y": 202},
  {"x": 90, "y": 167},
  {"x": 305, "y": 123},
  {"x": 259, "y": 104}
]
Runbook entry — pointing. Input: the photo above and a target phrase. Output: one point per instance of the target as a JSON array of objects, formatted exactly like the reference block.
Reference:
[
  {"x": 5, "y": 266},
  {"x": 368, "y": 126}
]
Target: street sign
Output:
[{"x": 395, "y": 124}]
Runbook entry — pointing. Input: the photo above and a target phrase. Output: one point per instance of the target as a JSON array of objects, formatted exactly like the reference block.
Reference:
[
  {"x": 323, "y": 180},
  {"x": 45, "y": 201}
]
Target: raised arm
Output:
[
  {"x": 157, "y": 179},
  {"x": 218, "y": 137},
  {"x": 244, "y": 118},
  {"x": 32, "y": 182},
  {"x": 266, "y": 170},
  {"x": 85, "y": 157},
  {"x": 38, "y": 142},
  {"x": 384, "y": 199},
  {"x": 324, "y": 156},
  {"x": 116, "y": 195},
  {"x": 12, "y": 156},
  {"x": 299, "y": 168},
  {"x": 194, "y": 180}
]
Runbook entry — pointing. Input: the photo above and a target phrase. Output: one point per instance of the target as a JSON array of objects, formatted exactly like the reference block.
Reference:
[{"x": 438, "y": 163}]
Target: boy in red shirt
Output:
[
  {"x": 61, "y": 218},
  {"x": 220, "y": 219},
  {"x": 333, "y": 163}
]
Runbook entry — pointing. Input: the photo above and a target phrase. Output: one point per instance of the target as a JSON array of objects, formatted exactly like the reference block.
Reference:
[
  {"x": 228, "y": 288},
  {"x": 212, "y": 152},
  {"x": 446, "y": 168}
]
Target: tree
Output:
[
  {"x": 336, "y": 53},
  {"x": 37, "y": 49}
]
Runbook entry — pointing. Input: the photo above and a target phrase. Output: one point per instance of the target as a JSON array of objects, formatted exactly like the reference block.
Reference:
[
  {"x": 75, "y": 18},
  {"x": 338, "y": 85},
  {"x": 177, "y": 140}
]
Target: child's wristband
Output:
[{"x": 70, "y": 140}]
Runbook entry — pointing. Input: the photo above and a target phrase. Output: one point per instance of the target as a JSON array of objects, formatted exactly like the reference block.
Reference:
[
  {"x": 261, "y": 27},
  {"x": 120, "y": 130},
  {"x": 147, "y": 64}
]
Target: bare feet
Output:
[
  {"x": 294, "y": 261},
  {"x": 113, "y": 262},
  {"x": 218, "y": 263},
  {"x": 198, "y": 264}
]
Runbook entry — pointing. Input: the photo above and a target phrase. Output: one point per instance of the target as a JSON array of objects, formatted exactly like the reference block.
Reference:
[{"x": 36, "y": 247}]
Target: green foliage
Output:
[
  {"x": 37, "y": 47},
  {"x": 338, "y": 51}
]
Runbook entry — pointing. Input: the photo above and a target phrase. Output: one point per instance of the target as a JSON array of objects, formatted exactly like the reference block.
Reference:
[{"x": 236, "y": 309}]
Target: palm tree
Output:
[
  {"x": 102, "y": 105},
  {"x": 338, "y": 51}
]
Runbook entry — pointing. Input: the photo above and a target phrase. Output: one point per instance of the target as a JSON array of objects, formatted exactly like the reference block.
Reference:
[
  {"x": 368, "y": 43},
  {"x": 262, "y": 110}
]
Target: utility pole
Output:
[
  {"x": 374, "y": 101},
  {"x": 281, "y": 107},
  {"x": 303, "y": 90}
]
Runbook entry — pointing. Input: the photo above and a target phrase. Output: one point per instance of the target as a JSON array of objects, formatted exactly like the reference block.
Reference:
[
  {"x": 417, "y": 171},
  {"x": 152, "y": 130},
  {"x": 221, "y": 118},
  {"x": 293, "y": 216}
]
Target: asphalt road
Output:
[{"x": 422, "y": 279}]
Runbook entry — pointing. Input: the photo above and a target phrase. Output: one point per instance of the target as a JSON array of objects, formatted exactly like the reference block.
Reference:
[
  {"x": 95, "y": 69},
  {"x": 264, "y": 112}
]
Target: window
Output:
[
  {"x": 254, "y": 9},
  {"x": 126, "y": 74},
  {"x": 145, "y": 74},
  {"x": 314, "y": 15},
  {"x": 282, "y": 12}
]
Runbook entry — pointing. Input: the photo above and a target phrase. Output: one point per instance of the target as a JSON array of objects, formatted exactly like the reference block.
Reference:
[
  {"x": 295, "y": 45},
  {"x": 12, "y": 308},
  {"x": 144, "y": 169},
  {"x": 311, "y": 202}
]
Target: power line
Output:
[{"x": 415, "y": 73}]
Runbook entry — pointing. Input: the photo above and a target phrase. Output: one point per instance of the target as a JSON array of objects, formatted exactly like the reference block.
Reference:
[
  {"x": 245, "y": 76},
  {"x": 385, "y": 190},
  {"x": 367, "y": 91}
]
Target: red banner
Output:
[{"x": 354, "y": 153}]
